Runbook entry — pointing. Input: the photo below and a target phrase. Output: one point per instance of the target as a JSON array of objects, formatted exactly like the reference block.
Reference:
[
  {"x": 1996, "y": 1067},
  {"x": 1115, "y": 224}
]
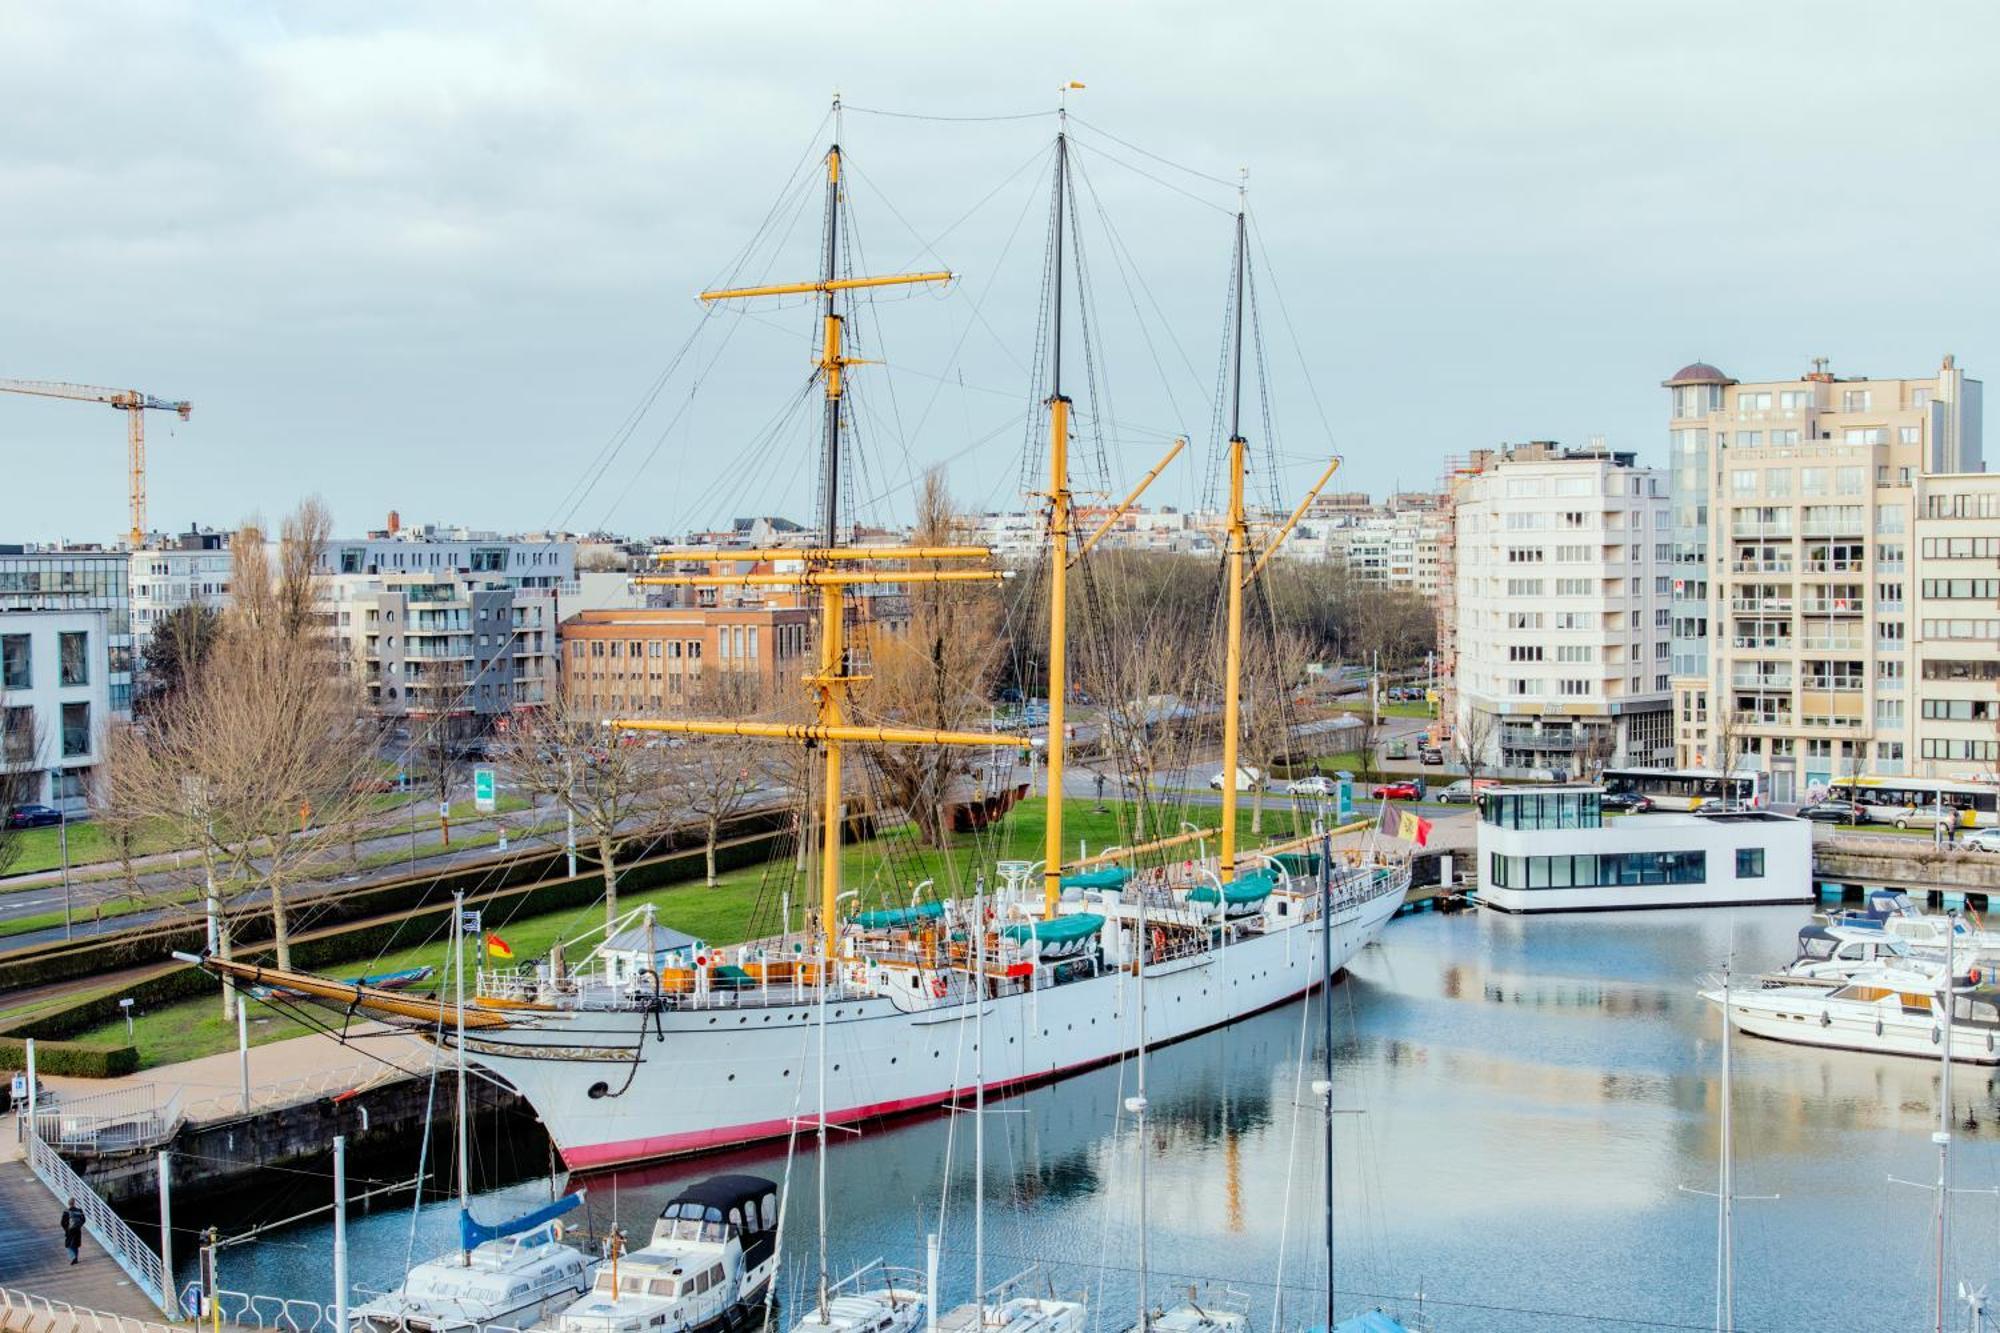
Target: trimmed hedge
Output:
[{"x": 67, "y": 1057}]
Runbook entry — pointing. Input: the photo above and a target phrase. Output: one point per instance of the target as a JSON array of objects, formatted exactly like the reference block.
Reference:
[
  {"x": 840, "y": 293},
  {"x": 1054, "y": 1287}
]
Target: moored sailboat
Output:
[{"x": 652, "y": 1051}]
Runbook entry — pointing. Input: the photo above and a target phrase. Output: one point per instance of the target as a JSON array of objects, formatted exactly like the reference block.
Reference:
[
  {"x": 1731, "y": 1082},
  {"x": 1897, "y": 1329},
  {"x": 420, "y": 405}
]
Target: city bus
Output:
[
  {"x": 1918, "y": 800},
  {"x": 1686, "y": 788}
]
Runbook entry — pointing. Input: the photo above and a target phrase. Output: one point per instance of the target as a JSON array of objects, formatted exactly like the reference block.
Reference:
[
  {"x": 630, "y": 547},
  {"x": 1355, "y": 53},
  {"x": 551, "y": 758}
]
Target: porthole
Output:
[
  {"x": 786, "y": 1074},
  {"x": 732, "y": 1078},
  {"x": 598, "y": 1090}
]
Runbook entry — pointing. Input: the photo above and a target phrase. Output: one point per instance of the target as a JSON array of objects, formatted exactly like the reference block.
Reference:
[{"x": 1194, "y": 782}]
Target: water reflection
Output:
[{"x": 1521, "y": 1103}]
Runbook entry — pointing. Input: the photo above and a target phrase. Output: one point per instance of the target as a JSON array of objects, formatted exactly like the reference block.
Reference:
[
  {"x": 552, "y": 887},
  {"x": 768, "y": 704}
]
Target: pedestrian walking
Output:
[{"x": 72, "y": 1229}]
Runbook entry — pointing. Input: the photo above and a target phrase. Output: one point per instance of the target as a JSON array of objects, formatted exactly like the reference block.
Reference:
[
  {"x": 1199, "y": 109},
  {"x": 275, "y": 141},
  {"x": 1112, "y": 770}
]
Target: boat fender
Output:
[
  {"x": 1989, "y": 1042},
  {"x": 556, "y": 1230},
  {"x": 1159, "y": 941},
  {"x": 1935, "y": 1034},
  {"x": 1825, "y": 1019},
  {"x": 938, "y": 987},
  {"x": 1878, "y": 1027}
]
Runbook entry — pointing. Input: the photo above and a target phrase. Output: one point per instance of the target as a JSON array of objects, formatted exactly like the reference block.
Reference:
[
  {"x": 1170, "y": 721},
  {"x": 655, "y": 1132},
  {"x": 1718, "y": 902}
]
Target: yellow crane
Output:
[{"x": 129, "y": 401}]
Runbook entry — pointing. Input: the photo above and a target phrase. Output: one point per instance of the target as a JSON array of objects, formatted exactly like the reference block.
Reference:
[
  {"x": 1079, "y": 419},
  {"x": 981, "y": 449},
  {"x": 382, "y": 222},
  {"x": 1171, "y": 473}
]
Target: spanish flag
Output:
[{"x": 497, "y": 947}]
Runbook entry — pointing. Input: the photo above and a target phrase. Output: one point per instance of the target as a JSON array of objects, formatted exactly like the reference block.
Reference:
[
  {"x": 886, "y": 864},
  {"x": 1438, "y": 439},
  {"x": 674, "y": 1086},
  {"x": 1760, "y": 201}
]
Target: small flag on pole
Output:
[
  {"x": 498, "y": 948},
  {"x": 1391, "y": 822},
  {"x": 1413, "y": 829}
]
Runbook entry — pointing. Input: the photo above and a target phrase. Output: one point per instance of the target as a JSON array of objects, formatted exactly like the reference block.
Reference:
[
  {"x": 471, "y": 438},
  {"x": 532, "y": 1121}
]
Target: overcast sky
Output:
[{"x": 430, "y": 257}]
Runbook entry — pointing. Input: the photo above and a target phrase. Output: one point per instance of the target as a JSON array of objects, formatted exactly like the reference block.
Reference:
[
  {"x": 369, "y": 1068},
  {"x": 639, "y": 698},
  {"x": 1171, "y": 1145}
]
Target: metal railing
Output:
[
  {"x": 139, "y": 1261},
  {"x": 24, "y": 1309},
  {"x": 121, "y": 1120},
  {"x": 285, "y": 1092},
  {"x": 295, "y": 1314}
]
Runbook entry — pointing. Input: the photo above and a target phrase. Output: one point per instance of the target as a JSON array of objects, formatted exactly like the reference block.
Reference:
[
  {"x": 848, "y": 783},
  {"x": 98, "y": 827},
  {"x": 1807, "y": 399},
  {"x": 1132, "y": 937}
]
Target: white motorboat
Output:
[
  {"x": 1891, "y": 912},
  {"x": 507, "y": 1282},
  {"x": 1887, "y": 1011},
  {"x": 712, "y": 1253},
  {"x": 1830, "y": 955}
]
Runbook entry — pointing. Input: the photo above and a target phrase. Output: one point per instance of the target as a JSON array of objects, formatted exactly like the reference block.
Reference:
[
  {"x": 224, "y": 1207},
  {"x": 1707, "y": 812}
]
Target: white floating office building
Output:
[{"x": 1550, "y": 849}]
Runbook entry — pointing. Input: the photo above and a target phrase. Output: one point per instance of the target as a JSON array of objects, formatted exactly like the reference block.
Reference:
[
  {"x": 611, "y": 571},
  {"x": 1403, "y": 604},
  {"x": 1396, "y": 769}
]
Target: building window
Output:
[
  {"x": 73, "y": 653},
  {"x": 75, "y": 730},
  {"x": 17, "y": 735},
  {"x": 1749, "y": 863},
  {"x": 1856, "y": 400},
  {"x": 16, "y": 671}
]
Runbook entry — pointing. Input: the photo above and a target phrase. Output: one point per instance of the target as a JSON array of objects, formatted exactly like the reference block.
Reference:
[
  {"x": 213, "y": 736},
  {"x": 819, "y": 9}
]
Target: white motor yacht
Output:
[
  {"x": 509, "y": 1281},
  {"x": 1832, "y": 954},
  {"x": 712, "y": 1252},
  {"x": 1891, "y": 912},
  {"x": 1887, "y": 1011}
]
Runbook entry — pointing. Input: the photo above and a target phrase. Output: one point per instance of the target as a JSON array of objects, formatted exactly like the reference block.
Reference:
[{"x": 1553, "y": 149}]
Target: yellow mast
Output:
[
  {"x": 1059, "y": 525},
  {"x": 1239, "y": 545},
  {"x": 832, "y": 681}
]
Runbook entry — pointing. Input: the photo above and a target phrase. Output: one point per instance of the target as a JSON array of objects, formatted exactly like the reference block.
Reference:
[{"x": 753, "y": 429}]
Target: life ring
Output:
[
  {"x": 938, "y": 987},
  {"x": 1159, "y": 941}
]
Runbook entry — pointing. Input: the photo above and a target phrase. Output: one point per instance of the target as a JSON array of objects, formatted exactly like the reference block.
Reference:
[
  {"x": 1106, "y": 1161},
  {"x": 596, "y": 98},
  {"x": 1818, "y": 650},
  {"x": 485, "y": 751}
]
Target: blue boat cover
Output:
[
  {"x": 1104, "y": 877},
  {"x": 890, "y": 917},
  {"x": 471, "y": 1233},
  {"x": 1372, "y": 1322}
]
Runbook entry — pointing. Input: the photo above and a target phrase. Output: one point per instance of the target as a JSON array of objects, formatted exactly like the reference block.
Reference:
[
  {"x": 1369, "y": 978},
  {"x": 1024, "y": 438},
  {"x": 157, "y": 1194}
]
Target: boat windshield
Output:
[{"x": 1979, "y": 1010}]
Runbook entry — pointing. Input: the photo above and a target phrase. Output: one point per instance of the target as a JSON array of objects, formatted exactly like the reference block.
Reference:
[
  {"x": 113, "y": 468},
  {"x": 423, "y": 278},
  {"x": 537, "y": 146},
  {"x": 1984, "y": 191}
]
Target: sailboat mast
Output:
[
  {"x": 832, "y": 605},
  {"x": 1239, "y": 546},
  {"x": 1138, "y": 1107},
  {"x": 1725, "y": 1254},
  {"x": 979, "y": 1098},
  {"x": 1326, "y": 1039},
  {"x": 1059, "y": 531},
  {"x": 463, "y": 1130},
  {"x": 1943, "y": 1135},
  {"x": 819, "y": 1153}
]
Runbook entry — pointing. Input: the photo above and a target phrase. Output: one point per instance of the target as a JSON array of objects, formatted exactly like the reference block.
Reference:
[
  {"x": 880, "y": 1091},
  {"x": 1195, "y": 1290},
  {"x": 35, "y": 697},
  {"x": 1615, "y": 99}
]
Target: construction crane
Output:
[{"x": 129, "y": 401}]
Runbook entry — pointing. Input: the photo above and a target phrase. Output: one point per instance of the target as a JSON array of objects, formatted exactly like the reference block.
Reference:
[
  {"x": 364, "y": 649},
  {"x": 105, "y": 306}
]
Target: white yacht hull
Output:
[
  {"x": 620, "y": 1086},
  {"x": 1810, "y": 1020}
]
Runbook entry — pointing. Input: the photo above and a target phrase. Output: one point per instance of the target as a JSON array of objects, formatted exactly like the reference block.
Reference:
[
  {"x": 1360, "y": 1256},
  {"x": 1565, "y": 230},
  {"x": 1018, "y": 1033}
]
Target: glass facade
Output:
[
  {"x": 1555, "y": 809},
  {"x": 77, "y": 581},
  {"x": 1601, "y": 870}
]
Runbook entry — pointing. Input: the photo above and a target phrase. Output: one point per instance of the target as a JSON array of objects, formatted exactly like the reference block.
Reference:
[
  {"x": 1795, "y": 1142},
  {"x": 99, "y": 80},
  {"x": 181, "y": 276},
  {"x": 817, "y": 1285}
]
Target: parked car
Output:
[
  {"x": 1982, "y": 840},
  {"x": 1247, "y": 779},
  {"x": 1911, "y": 817},
  {"x": 1429, "y": 754},
  {"x": 1625, "y": 803},
  {"x": 1396, "y": 791},
  {"x": 1714, "y": 805},
  {"x": 1831, "y": 812},
  {"x": 33, "y": 816},
  {"x": 1396, "y": 750},
  {"x": 1456, "y": 793},
  {"x": 1317, "y": 785}
]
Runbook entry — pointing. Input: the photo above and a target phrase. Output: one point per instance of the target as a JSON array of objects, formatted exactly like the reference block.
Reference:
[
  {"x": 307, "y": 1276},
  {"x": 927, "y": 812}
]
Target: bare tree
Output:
[
  {"x": 1274, "y": 666},
  {"x": 936, "y": 674},
  {"x": 713, "y": 777},
  {"x": 1594, "y": 750},
  {"x": 1725, "y": 730},
  {"x": 610, "y": 781},
  {"x": 1142, "y": 678},
  {"x": 20, "y": 772},
  {"x": 1473, "y": 739},
  {"x": 259, "y": 755}
]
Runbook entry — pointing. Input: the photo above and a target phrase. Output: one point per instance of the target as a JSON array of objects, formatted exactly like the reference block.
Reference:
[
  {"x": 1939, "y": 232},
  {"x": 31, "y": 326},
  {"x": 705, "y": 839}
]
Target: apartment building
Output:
[
  {"x": 55, "y": 697},
  {"x": 1955, "y": 674},
  {"x": 467, "y": 650},
  {"x": 643, "y": 661},
  {"x": 169, "y": 572},
  {"x": 1560, "y": 641},
  {"x": 435, "y": 551},
  {"x": 73, "y": 578},
  {"x": 1802, "y": 598}
]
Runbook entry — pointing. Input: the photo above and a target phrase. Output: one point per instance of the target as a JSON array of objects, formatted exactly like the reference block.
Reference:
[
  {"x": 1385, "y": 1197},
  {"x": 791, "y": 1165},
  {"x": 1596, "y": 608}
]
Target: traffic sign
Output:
[{"x": 482, "y": 790}]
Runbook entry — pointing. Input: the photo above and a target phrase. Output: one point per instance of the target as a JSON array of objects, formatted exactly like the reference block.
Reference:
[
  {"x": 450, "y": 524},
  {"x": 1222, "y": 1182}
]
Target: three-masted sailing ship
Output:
[{"x": 654, "y": 1046}]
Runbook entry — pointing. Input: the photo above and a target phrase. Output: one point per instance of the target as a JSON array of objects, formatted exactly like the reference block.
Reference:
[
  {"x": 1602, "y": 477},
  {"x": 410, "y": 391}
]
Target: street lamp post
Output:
[{"x": 62, "y": 838}]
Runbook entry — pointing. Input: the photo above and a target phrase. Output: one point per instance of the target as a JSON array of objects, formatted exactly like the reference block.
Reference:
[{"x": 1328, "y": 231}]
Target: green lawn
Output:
[
  {"x": 1407, "y": 708},
  {"x": 41, "y": 848},
  {"x": 740, "y": 905}
]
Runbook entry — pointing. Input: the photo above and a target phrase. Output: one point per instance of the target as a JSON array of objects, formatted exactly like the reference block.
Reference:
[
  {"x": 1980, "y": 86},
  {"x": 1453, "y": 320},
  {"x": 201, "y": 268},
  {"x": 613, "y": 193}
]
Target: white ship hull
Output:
[
  {"x": 621, "y": 1086},
  {"x": 1804, "y": 1017}
]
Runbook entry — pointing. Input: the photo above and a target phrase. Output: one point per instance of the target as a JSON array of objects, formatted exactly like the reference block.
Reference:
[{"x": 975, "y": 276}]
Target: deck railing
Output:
[
  {"x": 24, "y": 1309},
  {"x": 139, "y": 1261},
  {"x": 121, "y": 1120}
]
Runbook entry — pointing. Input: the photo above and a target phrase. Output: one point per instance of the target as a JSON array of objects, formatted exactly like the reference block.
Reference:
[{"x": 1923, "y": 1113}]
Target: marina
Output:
[{"x": 1482, "y": 1058}]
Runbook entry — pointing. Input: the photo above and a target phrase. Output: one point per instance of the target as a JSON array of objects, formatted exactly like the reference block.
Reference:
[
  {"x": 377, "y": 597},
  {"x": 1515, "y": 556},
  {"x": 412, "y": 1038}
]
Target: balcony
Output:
[
  {"x": 1760, "y": 566},
  {"x": 1746, "y": 531},
  {"x": 1776, "y": 680},
  {"x": 1832, "y": 722},
  {"x": 1760, "y": 642},
  {"x": 1771, "y": 605},
  {"x": 1516, "y": 739},
  {"x": 1763, "y": 718},
  {"x": 1834, "y": 606},
  {"x": 1831, "y": 643}
]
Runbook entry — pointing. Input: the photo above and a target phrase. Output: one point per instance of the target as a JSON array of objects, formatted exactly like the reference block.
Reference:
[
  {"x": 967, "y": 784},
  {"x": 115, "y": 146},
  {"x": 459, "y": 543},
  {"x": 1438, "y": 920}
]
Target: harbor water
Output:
[{"x": 1525, "y": 1109}]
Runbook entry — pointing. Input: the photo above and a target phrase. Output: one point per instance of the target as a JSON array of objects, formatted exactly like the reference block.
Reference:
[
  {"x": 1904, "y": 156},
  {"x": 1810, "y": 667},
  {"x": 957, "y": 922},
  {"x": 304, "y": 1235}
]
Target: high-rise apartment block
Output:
[
  {"x": 1557, "y": 650},
  {"x": 1834, "y": 583}
]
